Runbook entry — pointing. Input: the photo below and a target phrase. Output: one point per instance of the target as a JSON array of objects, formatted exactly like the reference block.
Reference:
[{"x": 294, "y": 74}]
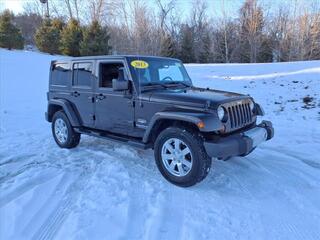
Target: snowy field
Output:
[{"x": 104, "y": 190}]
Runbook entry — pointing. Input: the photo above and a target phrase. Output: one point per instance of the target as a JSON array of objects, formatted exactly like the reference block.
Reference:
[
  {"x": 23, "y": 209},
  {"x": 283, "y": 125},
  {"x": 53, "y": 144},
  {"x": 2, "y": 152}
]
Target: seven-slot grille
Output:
[{"x": 239, "y": 114}]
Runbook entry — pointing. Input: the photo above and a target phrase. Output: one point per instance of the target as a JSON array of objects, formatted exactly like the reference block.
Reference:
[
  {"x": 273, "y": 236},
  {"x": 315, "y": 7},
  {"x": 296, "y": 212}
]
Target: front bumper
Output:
[{"x": 240, "y": 144}]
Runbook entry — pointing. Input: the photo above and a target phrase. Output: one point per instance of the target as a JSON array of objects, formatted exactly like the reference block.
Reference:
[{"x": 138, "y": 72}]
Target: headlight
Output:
[
  {"x": 251, "y": 105},
  {"x": 222, "y": 114}
]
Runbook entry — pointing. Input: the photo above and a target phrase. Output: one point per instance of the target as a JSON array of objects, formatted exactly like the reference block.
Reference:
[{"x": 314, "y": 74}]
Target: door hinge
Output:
[
  {"x": 131, "y": 103},
  {"x": 93, "y": 117}
]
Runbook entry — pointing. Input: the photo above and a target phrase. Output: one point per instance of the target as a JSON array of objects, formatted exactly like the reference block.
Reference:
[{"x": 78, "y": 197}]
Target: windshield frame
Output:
[{"x": 157, "y": 84}]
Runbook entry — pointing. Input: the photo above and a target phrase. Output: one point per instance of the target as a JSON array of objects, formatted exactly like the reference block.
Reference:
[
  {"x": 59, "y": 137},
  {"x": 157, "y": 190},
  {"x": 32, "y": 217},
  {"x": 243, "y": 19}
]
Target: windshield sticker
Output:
[{"x": 139, "y": 64}]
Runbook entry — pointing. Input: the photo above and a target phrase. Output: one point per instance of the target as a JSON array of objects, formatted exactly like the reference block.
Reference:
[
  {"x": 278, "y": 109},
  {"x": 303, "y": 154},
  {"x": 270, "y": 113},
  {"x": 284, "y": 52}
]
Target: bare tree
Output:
[
  {"x": 314, "y": 53},
  {"x": 200, "y": 25},
  {"x": 225, "y": 32},
  {"x": 76, "y": 6},
  {"x": 279, "y": 31},
  {"x": 251, "y": 21},
  {"x": 67, "y": 2},
  {"x": 157, "y": 27},
  {"x": 166, "y": 40},
  {"x": 34, "y": 7},
  {"x": 165, "y": 9}
]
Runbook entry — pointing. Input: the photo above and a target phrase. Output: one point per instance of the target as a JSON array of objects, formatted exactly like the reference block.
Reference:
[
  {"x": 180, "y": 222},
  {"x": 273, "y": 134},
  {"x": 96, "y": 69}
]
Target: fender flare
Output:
[
  {"x": 211, "y": 121},
  {"x": 67, "y": 107}
]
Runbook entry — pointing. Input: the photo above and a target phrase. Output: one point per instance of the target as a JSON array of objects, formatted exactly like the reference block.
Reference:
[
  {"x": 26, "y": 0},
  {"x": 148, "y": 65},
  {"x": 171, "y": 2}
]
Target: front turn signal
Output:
[{"x": 200, "y": 124}]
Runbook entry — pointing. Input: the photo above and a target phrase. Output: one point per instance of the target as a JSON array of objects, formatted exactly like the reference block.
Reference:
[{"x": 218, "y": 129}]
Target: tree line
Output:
[
  {"x": 288, "y": 32},
  {"x": 54, "y": 36}
]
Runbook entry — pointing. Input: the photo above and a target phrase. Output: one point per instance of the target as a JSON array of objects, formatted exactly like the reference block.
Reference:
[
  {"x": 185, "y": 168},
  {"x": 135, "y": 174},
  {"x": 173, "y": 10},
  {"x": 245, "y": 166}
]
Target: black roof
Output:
[{"x": 109, "y": 57}]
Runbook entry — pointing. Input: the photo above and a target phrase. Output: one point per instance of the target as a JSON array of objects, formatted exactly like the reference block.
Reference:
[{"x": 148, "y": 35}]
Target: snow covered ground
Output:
[{"x": 104, "y": 190}]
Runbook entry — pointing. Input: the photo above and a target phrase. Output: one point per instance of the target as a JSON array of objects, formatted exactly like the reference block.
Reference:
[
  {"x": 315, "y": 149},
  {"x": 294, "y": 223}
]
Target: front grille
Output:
[{"x": 240, "y": 115}]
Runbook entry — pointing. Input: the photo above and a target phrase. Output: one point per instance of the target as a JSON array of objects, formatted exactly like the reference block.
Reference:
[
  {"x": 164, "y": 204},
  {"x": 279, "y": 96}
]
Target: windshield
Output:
[{"x": 152, "y": 71}]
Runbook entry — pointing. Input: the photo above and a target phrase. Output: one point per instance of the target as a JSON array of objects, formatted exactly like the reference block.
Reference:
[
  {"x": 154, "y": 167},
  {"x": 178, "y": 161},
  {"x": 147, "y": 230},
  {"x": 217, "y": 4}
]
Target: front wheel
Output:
[
  {"x": 63, "y": 132},
  {"x": 181, "y": 157}
]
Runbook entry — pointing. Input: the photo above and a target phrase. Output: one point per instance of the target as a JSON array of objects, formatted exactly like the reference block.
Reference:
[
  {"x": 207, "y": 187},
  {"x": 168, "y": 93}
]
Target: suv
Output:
[{"x": 150, "y": 102}]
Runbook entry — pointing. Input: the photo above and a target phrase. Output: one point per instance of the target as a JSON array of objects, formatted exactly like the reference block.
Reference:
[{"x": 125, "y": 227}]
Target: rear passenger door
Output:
[{"x": 82, "y": 91}]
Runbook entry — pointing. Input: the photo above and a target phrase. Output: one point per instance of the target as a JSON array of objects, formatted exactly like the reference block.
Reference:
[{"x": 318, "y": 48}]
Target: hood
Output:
[{"x": 195, "y": 97}]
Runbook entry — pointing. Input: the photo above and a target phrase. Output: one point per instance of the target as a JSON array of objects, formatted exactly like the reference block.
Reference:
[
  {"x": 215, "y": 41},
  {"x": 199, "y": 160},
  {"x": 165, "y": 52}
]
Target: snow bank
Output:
[{"x": 103, "y": 190}]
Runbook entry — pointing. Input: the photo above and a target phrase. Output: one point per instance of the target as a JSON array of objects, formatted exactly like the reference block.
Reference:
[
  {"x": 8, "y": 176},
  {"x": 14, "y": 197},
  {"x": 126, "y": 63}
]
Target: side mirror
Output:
[{"x": 120, "y": 85}]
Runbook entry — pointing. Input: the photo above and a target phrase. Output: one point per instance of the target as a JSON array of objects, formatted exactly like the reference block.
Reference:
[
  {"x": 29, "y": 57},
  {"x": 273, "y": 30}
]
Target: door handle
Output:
[
  {"x": 75, "y": 94},
  {"x": 91, "y": 99},
  {"x": 100, "y": 96}
]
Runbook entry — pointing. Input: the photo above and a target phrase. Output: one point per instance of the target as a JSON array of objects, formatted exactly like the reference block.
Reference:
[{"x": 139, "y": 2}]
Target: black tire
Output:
[
  {"x": 73, "y": 138},
  {"x": 201, "y": 161}
]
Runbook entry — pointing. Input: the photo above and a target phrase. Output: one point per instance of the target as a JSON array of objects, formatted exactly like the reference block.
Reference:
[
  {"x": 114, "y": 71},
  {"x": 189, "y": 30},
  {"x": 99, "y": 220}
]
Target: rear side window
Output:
[
  {"x": 61, "y": 74},
  {"x": 82, "y": 74}
]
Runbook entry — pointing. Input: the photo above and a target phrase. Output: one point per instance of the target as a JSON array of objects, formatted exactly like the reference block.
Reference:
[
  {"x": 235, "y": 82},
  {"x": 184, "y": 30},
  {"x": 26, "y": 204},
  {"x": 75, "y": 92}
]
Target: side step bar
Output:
[{"x": 113, "y": 137}]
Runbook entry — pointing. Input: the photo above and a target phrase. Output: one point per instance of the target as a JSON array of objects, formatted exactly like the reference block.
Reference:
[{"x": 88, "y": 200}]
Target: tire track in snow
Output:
[
  {"x": 142, "y": 202},
  {"x": 294, "y": 227},
  {"x": 16, "y": 159},
  {"x": 307, "y": 161},
  {"x": 168, "y": 218},
  {"x": 21, "y": 170},
  {"x": 55, "y": 220},
  {"x": 40, "y": 179},
  {"x": 138, "y": 211},
  {"x": 276, "y": 160},
  {"x": 138, "y": 206},
  {"x": 292, "y": 224}
]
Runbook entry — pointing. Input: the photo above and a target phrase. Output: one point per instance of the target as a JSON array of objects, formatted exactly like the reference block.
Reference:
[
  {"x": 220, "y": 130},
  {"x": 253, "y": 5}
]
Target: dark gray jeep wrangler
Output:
[{"x": 150, "y": 102}]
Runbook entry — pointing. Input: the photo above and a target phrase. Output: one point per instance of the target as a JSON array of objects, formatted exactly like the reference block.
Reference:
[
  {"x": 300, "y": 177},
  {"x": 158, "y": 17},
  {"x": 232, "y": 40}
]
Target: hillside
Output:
[{"x": 104, "y": 190}]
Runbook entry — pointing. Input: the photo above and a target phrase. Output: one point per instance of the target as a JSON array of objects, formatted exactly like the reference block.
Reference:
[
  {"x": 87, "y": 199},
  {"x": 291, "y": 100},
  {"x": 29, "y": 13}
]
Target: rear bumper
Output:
[{"x": 240, "y": 144}]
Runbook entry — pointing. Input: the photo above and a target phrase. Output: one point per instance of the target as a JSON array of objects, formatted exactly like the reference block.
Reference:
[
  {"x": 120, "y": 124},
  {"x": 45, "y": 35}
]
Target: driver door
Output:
[{"x": 114, "y": 110}]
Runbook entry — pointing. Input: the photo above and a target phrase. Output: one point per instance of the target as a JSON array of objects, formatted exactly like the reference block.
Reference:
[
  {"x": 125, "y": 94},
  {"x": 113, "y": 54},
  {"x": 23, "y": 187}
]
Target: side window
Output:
[
  {"x": 82, "y": 73},
  {"x": 60, "y": 74},
  {"x": 108, "y": 72}
]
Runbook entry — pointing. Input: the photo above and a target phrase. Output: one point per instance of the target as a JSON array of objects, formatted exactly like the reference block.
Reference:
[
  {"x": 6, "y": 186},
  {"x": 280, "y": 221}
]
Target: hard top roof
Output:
[{"x": 101, "y": 57}]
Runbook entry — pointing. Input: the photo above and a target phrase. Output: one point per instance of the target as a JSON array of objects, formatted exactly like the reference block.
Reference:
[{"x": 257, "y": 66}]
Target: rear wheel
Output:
[
  {"x": 63, "y": 132},
  {"x": 181, "y": 157}
]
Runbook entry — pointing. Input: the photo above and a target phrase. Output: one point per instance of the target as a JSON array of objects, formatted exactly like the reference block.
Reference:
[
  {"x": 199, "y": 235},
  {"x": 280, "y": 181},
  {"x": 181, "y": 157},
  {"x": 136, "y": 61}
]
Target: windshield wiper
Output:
[
  {"x": 179, "y": 82},
  {"x": 154, "y": 84}
]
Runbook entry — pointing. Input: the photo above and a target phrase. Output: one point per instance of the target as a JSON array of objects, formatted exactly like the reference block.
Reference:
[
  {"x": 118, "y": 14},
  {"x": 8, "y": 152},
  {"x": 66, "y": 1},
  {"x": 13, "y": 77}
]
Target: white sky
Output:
[
  {"x": 14, "y": 5},
  {"x": 232, "y": 6}
]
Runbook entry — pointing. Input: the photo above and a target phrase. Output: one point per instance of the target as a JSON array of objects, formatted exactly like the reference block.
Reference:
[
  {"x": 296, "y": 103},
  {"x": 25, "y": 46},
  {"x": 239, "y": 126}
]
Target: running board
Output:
[{"x": 113, "y": 137}]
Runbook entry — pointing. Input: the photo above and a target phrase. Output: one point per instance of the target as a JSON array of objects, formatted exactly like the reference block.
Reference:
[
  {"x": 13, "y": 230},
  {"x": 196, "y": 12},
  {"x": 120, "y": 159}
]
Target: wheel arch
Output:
[
  {"x": 163, "y": 120},
  {"x": 55, "y": 105}
]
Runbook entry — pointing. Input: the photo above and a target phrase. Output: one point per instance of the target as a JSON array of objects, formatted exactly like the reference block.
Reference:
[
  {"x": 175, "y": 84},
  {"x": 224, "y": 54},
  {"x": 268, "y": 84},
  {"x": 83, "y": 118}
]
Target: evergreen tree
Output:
[
  {"x": 71, "y": 37},
  {"x": 205, "y": 52},
  {"x": 187, "y": 54},
  {"x": 168, "y": 46},
  {"x": 265, "y": 53},
  {"x": 28, "y": 23},
  {"x": 10, "y": 36},
  {"x": 47, "y": 37},
  {"x": 95, "y": 40}
]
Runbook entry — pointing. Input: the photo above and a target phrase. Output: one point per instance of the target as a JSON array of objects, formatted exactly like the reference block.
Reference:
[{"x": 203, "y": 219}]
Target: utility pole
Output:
[{"x": 47, "y": 5}]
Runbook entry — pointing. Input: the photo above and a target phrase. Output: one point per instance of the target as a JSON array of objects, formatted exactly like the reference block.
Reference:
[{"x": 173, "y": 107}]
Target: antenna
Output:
[{"x": 47, "y": 5}]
